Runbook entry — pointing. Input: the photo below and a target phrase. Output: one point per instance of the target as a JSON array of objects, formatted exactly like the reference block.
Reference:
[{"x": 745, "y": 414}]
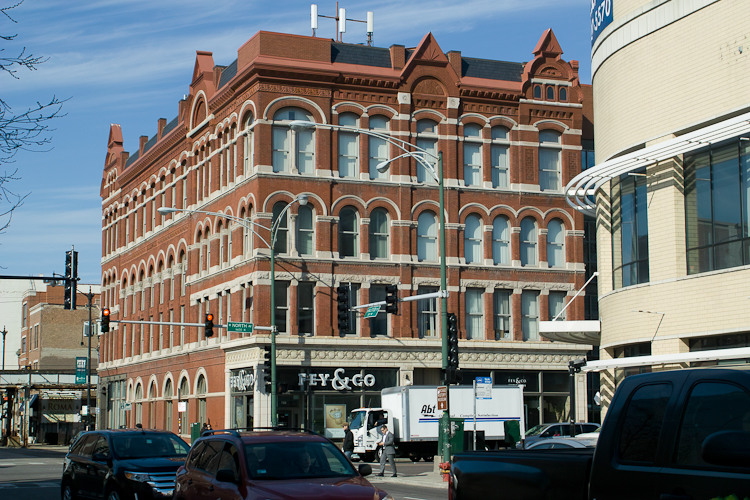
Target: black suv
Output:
[
  {"x": 123, "y": 464},
  {"x": 259, "y": 465}
]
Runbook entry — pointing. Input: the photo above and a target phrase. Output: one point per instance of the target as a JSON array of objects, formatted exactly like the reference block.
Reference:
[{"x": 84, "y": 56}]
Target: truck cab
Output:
[{"x": 365, "y": 425}]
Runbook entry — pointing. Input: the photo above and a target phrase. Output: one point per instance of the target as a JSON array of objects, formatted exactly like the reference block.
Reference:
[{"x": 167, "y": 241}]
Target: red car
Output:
[{"x": 271, "y": 465}]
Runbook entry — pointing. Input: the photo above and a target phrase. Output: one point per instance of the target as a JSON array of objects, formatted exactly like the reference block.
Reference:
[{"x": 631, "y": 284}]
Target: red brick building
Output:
[{"x": 511, "y": 136}]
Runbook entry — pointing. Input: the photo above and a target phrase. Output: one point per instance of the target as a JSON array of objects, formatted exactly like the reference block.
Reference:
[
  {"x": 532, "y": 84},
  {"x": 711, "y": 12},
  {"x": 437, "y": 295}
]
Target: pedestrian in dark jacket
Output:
[{"x": 348, "y": 442}]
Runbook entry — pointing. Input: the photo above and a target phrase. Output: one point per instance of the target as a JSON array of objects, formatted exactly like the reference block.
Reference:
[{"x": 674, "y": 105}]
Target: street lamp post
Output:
[
  {"x": 421, "y": 156},
  {"x": 248, "y": 225}
]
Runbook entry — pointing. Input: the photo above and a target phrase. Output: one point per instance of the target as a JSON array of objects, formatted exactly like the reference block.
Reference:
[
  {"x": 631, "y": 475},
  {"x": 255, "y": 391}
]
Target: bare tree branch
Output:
[{"x": 25, "y": 131}]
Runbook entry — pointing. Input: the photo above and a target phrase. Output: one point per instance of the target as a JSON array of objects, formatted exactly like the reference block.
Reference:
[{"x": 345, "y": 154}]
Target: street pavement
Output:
[{"x": 409, "y": 474}]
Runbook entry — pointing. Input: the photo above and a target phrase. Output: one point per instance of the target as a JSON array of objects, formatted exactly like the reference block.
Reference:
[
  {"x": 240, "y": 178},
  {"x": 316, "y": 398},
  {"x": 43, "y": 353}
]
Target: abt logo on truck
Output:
[{"x": 428, "y": 410}]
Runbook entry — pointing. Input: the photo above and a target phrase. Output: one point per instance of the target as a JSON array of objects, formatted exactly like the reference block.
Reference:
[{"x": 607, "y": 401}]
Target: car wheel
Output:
[
  {"x": 115, "y": 494},
  {"x": 414, "y": 458},
  {"x": 67, "y": 492},
  {"x": 429, "y": 458}
]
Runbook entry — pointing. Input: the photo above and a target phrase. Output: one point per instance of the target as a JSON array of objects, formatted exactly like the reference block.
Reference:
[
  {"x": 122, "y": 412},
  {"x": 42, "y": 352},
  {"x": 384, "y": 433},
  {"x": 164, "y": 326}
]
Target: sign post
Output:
[{"x": 482, "y": 390}]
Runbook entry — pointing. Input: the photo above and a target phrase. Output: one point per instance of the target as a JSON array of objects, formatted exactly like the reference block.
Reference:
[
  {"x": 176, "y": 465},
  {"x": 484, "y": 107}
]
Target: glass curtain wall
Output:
[
  {"x": 630, "y": 229},
  {"x": 717, "y": 207}
]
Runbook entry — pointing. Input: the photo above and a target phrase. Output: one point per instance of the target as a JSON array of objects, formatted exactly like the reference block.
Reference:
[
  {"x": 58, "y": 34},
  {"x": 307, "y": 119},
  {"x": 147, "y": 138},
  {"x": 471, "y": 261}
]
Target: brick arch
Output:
[
  {"x": 198, "y": 115},
  {"x": 551, "y": 125},
  {"x": 348, "y": 201},
  {"x": 473, "y": 208},
  {"x": 294, "y": 102},
  {"x": 556, "y": 213},
  {"x": 380, "y": 109},
  {"x": 388, "y": 204},
  {"x": 349, "y": 107}
]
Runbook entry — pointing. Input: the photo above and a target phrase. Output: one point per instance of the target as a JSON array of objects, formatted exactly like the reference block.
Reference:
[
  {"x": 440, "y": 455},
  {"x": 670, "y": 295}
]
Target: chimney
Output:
[
  {"x": 162, "y": 122},
  {"x": 398, "y": 56},
  {"x": 454, "y": 56},
  {"x": 142, "y": 142}
]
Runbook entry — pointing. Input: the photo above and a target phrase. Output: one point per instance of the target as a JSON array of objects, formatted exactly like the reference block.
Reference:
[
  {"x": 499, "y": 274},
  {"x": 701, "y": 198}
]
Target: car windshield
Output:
[
  {"x": 357, "y": 419},
  {"x": 149, "y": 446},
  {"x": 535, "y": 431},
  {"x": 296, "y": 460}
]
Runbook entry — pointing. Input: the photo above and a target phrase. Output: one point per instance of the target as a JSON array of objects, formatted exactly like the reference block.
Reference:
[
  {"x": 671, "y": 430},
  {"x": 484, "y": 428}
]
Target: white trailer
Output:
[{"x": 411, "y": 414}]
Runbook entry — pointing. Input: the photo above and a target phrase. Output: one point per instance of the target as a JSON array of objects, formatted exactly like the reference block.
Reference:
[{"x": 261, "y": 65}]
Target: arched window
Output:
[
  {"x": 348, "y": 233},
  {"x": 293, "y": 151},
  {"x": 379, "y": 234},
  {"x": 473, "y": 240},
  {"x": 550, "y": 93},
  {"x": 378, "y": 146},
  {"x": 152, "y": 406},
  {"x": 537, "y": 92},
  {"x": 426, "y": 237},
  {"x": 499, "y": 154},
  {"x": 501, "y": 240},
  {"x": 427, "y": 138},
  {"x": 222, "y": 249},
  {"x": 348, "y": 146},
  {"x": 550, "y": 151},
  {"x": 305, "y": 230},
  {"x": 528, "y": 242},
  {"x": 563, "y": 94},
  {"x": 207, "y": 243},
  {"x": 201, "y": 392},
  {"x": 168, "y": 405},
  {"x": 142, "y": 281},
  {"x": 282, "y": 227},
  {"x": 139, "y": 404},
  {"x": 183, "y": 397},
  {"x": 472, "y": 155},
  {"x": 555, "y": 243}
]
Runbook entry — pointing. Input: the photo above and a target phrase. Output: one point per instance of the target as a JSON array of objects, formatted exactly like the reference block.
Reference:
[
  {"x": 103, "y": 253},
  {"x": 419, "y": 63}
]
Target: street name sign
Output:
[
  {"x": 234, "y": 326},
  {"x": 372, "y": 311}
]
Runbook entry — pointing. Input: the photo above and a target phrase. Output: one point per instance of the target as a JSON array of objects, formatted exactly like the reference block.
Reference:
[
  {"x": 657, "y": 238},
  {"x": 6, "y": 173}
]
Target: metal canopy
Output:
[
  {"x": 668, "y": 359},
  {"x": 573, "y": 332},
  {"x": 586, "y": 183}
]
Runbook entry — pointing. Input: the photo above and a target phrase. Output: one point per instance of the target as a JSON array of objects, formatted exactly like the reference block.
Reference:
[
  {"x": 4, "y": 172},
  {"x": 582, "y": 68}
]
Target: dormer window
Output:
[
  {"x": 550, "y": 93},
  {"x": 537, "y": 92}
]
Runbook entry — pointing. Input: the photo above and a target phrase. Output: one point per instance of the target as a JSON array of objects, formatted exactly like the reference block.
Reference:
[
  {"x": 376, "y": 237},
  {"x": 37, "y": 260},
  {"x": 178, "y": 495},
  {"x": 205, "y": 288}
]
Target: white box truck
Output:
[{"x": 411, "y": 414}]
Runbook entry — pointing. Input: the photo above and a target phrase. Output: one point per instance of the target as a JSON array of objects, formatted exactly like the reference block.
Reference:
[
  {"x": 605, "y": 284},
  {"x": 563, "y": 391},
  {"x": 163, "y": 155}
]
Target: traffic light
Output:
[
  {"x": 71, "y": 278},
  {"x": 342, "y": 299},
  {"x": 452, "y": 341},
  {"x": 391, "y": 299},
  {"x": 267, "y": 369},
  {"x": 104, "y": 328},
  {"x": 209, "y": 330}
]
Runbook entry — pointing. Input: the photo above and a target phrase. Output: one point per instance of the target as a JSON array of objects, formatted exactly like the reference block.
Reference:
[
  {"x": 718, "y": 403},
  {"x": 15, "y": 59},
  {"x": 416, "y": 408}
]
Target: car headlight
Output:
[{"x": 141, "y": 477}]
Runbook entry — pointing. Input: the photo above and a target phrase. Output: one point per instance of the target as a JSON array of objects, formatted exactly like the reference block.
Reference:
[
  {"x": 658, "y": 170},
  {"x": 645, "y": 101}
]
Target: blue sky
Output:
[{"x": 130, "y": 61}]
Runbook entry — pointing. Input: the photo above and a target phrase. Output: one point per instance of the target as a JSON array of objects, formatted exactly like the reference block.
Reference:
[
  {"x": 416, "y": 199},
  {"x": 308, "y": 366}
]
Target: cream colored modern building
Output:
[{"x": 671, "y": 85}]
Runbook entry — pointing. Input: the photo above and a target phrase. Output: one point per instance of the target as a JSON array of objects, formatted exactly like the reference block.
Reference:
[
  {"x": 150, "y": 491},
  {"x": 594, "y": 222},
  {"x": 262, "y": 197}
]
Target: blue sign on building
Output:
[{"x": 601, "y": 16}]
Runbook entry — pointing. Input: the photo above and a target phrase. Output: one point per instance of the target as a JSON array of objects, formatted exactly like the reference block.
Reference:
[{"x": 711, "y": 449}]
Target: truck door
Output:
[
  {"x": 711, "y": 406},
  {"x": 375, "y": 420},
  {"x": 626, "y": 467}
]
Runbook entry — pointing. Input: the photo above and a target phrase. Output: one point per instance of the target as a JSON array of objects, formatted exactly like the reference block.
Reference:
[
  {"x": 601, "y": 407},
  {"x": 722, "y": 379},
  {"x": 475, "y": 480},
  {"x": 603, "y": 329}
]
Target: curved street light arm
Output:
[{"x": 244, "y": 222}]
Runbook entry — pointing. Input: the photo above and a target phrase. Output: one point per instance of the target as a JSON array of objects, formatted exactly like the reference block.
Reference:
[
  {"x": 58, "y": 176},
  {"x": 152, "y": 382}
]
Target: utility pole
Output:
[
  {"x": 90, "y": 297},
  {"x": 4, "y": 332}
]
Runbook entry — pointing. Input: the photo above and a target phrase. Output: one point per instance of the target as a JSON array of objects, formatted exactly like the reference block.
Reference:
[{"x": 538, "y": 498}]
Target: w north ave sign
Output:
[{"x": 238, "y": 327}]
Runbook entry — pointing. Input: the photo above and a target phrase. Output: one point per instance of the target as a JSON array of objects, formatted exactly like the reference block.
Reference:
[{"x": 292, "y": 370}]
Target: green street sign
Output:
[
  {"x": 372, "y": 311},
  {"x": 238, "y": 327},
  {"x": 81, "y": 365}
]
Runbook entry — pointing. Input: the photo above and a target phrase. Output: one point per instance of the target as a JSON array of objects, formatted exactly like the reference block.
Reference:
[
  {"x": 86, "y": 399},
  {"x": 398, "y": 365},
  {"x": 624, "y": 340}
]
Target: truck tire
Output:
[{"x": 379, "y": 454}]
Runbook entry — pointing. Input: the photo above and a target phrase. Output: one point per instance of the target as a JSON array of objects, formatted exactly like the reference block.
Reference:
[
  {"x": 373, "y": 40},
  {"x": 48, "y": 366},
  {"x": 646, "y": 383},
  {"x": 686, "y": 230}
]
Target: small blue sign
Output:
[
  {"x": 484, "y": 380},
  {"x": 601, "y": 17}
]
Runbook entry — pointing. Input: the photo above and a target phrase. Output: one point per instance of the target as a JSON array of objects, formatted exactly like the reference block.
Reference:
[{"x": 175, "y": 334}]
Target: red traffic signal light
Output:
[
  {"x": 209, "y": 330},
  {"x": 105, "y": 320}
]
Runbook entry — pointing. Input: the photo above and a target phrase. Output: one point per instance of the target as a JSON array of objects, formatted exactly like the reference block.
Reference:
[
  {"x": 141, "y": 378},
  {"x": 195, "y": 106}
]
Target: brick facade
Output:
[{"x": 224, "y": 153}]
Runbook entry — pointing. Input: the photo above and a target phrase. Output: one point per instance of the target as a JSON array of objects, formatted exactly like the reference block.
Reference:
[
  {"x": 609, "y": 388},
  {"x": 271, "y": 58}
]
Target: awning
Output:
[
  {"x": 574, "y": 332},
  {"x": 583, "y": 187},
  {"x": 668, "y": 359}
]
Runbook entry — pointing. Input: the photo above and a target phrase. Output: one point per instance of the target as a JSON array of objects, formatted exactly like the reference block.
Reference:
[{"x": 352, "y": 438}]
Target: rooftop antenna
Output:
[{"x": 341, "y": 20}]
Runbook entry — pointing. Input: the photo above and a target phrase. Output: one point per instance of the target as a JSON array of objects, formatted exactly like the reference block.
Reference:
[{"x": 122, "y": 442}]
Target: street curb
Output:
[{"x": 429, "y": 480}]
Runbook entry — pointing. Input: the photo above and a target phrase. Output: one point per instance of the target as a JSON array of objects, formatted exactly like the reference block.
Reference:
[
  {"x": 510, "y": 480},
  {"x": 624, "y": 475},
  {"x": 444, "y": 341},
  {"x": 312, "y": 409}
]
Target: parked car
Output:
[
  {"x": 556, "y": 443},
  {"x": 263, "y": 464},
  {"x": 544, "y": 431},
  {"x": 669, "y": 435},
  {"x": 123, "y": 464}
]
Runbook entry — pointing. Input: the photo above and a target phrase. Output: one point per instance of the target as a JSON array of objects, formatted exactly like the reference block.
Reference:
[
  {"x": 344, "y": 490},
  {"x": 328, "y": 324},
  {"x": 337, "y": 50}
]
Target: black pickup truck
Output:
[{"x": 672, "y": 435}]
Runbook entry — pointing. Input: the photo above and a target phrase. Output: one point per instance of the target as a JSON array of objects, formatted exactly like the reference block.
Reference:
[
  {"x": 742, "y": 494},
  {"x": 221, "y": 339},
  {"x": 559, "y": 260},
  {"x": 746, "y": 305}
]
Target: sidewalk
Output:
[{"x": 423, "y": 479}]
